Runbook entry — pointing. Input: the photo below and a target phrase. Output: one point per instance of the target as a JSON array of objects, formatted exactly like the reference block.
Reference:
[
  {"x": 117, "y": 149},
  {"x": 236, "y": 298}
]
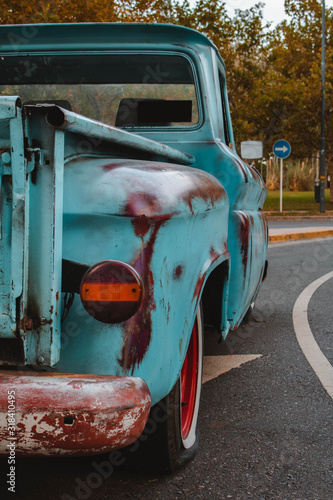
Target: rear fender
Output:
[{"x": 171, "y": 224}]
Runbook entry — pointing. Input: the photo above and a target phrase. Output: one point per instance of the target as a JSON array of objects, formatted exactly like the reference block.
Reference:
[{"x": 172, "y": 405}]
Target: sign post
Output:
[{"x": 282, "y": 150}]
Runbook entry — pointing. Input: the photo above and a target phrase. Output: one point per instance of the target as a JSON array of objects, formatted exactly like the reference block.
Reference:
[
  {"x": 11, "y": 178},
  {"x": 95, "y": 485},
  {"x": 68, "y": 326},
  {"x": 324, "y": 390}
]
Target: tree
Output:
[
  {"x": 294, "y": 77},
  {"x": 246, "y": 65},
  {"x": 273, "y": 75}
]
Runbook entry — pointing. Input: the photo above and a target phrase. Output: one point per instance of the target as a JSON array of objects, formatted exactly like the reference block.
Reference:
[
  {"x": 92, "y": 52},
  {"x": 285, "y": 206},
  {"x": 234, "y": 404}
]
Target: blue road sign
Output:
[{"x": 282, "y": 149}]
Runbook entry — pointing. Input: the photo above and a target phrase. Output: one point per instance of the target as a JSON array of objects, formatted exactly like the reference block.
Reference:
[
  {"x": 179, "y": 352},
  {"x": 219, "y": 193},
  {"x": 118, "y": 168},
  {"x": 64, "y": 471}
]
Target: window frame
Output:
[{"x": 161, "y": 53}]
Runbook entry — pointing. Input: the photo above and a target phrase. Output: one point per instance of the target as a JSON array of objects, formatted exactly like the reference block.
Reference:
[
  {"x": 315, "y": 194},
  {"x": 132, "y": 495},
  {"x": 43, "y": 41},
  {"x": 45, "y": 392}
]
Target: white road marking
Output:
[
  {"x": 213, "y": 366},
  {"x": 306, "y": 340}
]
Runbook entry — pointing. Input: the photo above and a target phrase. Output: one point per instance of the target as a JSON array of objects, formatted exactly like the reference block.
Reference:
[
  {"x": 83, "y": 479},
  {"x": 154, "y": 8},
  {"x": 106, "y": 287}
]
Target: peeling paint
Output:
[
  {"x": 213, "y": 254},
  {"x": 245, "y": 239},
  {"x": 178, "y": 271},
  {"x": 141, "y": 225},
  {"x": 137, "y": 330},
  {"x": 142, "y": 202},
  {"x": 199, "y": 286},
  {"x": 205, "y": 190},
  {"x": 99, "y": 423}
]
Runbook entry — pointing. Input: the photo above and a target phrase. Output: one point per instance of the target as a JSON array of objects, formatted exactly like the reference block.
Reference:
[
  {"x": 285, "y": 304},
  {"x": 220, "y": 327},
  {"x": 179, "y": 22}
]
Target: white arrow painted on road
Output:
[{"x": 213, "y": 366}]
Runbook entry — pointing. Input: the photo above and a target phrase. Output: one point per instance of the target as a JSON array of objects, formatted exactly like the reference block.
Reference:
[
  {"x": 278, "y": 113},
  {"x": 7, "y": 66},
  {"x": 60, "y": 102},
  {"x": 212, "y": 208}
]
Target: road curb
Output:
[
  {"x": 307, "y": 235},
  {"x": 287, "y": 216}
]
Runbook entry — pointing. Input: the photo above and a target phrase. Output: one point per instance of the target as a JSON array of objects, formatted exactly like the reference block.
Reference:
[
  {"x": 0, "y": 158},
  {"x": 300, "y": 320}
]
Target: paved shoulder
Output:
[{"x": 292, "y": 228}]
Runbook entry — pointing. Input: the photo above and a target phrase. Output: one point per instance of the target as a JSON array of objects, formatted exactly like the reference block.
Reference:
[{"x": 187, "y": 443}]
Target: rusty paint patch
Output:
[
  {"x": 213, "y": 254},
  {"x": 141, "y": 225},
  {"x": 265, "y": 224},
  {"x": 75, "y": 384},
  {"x": 26, "y": 324},
  {"x": 137, "y": 330},
  {"x": 139, "y": 203},
  {"x": 205, "y": 190},
  {"x": 199, "y": 286},
  {"x": 73, "y": 414},
  {"x": 33, "y": 312},
  {"x": 245, "y": 238},
  {"x": 112, "y": 166},
  {"x": 178, "y": 271}
]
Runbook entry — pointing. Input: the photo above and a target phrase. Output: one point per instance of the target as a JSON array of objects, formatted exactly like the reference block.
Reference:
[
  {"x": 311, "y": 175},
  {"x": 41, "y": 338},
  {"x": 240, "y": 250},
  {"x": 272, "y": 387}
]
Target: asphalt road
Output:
[{"x": 265, "y": 428}]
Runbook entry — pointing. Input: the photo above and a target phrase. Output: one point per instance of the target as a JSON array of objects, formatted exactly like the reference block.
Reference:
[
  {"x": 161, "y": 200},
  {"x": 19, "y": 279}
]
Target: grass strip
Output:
[{"x": 296, "y": 201}]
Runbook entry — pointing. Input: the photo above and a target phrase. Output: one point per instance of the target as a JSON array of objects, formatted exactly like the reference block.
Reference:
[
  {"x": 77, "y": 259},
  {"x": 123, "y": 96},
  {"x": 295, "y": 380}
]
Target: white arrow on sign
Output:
[{"x": 283, "y": 149}]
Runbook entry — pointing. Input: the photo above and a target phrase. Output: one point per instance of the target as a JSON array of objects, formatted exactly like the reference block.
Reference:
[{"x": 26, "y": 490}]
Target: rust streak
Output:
[
  {"x": 244, "y": 236},
  {"x": 198, "y": 286},
  {"x": 137, "y": 330}
]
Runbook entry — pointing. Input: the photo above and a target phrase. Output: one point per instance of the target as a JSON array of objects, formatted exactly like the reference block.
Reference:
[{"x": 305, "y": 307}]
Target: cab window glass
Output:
[{"x": 125, "y": 90}]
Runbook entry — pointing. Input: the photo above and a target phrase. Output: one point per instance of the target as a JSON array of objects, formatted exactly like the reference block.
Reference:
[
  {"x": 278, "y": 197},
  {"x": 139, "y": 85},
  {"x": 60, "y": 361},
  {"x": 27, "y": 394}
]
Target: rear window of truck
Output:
[{"x": 126, "y": 90}]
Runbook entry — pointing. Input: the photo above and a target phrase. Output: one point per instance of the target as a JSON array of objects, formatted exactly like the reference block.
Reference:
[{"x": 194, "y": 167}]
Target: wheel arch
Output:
[{"x": 214, "y": 298}]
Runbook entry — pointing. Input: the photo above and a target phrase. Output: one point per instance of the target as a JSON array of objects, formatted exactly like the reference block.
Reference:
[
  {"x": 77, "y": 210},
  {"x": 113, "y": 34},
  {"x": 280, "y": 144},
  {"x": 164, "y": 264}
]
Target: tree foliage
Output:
[
  {"x": 274, "y": 74},
  {"x": 295, "y": 65}
]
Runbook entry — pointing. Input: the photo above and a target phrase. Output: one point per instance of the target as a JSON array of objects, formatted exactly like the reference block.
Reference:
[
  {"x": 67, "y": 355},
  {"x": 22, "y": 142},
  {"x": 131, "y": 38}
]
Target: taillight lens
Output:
[{"x": 111, "y": 291}]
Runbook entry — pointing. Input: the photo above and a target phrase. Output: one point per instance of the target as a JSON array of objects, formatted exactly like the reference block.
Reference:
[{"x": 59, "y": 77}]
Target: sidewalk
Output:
[{"x": 299, "y": 228}]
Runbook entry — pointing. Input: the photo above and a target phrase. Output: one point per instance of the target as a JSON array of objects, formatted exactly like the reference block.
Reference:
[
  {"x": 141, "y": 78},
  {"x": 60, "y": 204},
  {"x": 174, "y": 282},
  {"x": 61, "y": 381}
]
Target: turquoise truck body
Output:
[{"x": 171, "y": 199}]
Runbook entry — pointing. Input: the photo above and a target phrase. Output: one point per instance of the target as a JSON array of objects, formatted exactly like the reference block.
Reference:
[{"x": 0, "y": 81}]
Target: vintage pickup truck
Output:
[{"x": 126, "y": 216}]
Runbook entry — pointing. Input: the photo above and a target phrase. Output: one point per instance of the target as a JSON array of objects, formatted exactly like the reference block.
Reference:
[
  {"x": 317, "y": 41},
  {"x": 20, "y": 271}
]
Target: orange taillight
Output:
[{"x": 113, "y": 292}]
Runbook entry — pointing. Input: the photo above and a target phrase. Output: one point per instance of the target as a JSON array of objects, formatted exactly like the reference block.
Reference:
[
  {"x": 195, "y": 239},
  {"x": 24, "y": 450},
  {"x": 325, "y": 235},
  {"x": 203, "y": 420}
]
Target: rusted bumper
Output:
[{"x": 65, "y": 414}]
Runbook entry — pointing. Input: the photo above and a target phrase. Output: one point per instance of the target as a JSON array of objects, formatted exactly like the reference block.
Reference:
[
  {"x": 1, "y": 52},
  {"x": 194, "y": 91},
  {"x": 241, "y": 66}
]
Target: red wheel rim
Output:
[{"x": 189, "y": 380}]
